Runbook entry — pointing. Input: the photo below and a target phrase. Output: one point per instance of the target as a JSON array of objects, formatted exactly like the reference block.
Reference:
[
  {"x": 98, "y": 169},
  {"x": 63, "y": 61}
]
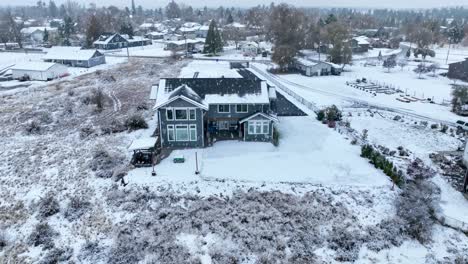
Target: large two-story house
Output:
[{"x": 194, "y": 112}]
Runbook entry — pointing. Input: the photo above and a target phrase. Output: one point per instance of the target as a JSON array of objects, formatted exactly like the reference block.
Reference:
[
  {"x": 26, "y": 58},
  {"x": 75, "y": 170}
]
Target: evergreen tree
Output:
[
  {"x": 213, "y": 41},
  {"x": 229, "y": 19},
  {"x": 127, "y": 28},
  {"x": 53, "y": 10},
  {"x": 133, "y": 8},
  {"x": 380, "y": 56},
  {"x": 45, "y": 38}
]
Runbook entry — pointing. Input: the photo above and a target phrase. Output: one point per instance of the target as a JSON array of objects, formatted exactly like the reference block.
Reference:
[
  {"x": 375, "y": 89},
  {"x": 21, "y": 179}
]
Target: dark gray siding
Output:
[
  {"x": 252, "y": 109},
  {"x": 458, "y": 70},
  {"x": 198, "y": 122}
]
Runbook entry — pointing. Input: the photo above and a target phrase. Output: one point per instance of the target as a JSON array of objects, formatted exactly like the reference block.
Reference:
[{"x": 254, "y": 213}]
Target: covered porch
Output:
[{"x": 223, "y": 129}]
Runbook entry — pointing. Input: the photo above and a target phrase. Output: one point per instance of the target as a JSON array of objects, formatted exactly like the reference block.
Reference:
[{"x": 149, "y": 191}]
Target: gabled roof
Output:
[
  {"x": 69, "y": 53},
  {"x": 216, "y": 90},
  {"x": 30, "y": 30},
  {"x": 106, "y": 38},
  {"x": 266, "y": 116},
  {"x": 182, "y": 92},
  {"x": 34, "y": 66}
]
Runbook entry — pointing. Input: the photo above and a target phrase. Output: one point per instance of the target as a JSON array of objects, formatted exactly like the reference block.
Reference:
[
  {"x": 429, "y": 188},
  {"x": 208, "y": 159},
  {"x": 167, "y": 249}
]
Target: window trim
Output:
[
  {"x": 229, "y": 108},
  {"x": 194, "y": 128},
  {"x": 167, "y": 116},
  {"x": 181, "y": 109},
  {"x": 255, "y": 123},
  {"x": 242, "y": 112},
  {"x": 194, "y": 113}
]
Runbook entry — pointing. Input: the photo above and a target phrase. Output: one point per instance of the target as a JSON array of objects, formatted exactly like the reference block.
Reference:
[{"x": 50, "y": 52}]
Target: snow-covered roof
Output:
[
  {"x": 143, "y": 143},
  {"x": 272, "y": 92},
  {"x": 266, "y": 116},
  {"x": 154, "y": 92},
  {"x": 236, "y": 25},
  {"x": 204, "y": 28},
  {"x": 191, "y": 24},
  {"x": 183, "y": 41},
  {"x": 135, "y": 38},
  {"x": 215, "y": 90},
  {"x": 34, "y": 66},
  {"x": 362, "y": 40},
  {"x": 69, "y": 53},
  {"x": 30, "y": 30},
  {"x": 154, "y": 33},
  {"x": 306, "y": 62}
]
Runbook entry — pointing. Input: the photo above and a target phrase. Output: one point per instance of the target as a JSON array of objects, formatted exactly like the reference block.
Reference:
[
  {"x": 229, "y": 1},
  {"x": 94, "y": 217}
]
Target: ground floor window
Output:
[
  {"x": 258, "y": 127},
  {"x": 182, "y": 132},
  {"x": 170, "y": 133},
  {"x": 193, "y": 132}
]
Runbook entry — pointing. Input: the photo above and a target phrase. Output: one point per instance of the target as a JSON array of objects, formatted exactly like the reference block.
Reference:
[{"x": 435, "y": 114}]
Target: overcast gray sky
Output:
[{"x": 248, "y": 3}]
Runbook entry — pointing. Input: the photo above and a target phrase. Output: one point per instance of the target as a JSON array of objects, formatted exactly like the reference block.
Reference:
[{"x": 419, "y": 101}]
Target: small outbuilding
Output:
[
  {"x": 38, "y": 71},
  {"x": 75, "y": 56}
]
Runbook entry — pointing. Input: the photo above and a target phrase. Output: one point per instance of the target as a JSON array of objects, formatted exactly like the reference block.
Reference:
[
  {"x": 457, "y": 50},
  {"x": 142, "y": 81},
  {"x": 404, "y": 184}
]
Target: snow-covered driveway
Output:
[{"x": 309, "y": 152}]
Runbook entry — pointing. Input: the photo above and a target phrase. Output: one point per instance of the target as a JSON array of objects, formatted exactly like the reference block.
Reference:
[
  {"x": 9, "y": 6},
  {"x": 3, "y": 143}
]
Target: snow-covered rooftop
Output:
[
  {"x": 143, "y": 143},
  {"x": 33, "y": 66},
  {"x": 30, "y": 30},
  {"x": 362, "y": 40},
  {"x": 69, "y": 53}
]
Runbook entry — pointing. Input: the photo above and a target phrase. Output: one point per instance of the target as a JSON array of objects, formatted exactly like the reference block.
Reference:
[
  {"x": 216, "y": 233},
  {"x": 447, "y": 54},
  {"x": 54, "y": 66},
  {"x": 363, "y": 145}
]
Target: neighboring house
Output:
[
  {"x": 38, "y": 71},
  {"x": 155, "y": 35},
  {"x": 458, "y": 70},
  {"x": 360, "y": 44},
  {"x": 202, "y": 31},
  {"x": 117, "y": 41},
  {"x": 36, "y": 34},
  {"x": 173, "y": 37},
  {"x": 311, "y": 67},
  {"x": 250, "y": 48},
  {"x": 185, "y": 44},
  {"x": 194, "y": 112},
  {"x": 75, "y": 56}
]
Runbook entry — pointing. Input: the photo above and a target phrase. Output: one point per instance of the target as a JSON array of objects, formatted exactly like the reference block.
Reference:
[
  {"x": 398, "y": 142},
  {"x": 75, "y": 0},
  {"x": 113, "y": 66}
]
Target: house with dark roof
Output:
[
  {"x": 195, "y": 112},
  {"x": 108, "y": 41}
]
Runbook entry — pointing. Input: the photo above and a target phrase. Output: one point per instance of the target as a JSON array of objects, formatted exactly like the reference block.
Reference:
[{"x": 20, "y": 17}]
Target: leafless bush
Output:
[
  {"x": 104, "y": 162},
  {"x": 48, "y": 205},
  {"x": 415, "y": 207},
  {"x": 112, "y": 125},
  {"x": 98, "y": 98},
  {"x": 33, "y": 127},
  {"x": 76, "y": 207},
  {"x": 86, "y": 131},
  {"x": 42, "y": 235},
  {"x": 57, "y": 255},
  {"x": 91, "y": 252},
  {"x": 3, "y": 240},
  {"x": 135, "y": 122}
]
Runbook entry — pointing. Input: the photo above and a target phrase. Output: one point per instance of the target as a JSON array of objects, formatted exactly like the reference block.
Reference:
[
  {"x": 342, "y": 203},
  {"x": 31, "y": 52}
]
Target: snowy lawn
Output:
[{"x": 309, "y": 152}]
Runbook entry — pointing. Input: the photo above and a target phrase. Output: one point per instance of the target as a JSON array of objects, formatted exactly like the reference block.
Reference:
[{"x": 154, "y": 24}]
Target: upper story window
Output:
[
  {"x": 242, "y": 108},
  {"x": 181, "y": 114},
  {"x": 169, "y": 114},
  {"x": 224, "y": 108}
]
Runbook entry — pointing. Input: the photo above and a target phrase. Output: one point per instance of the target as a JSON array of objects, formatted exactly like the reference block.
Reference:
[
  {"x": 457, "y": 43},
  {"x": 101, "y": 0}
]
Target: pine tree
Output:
[
  {"x": 229, "y": 20},
  {"x": 213, "y": 41},
  {"x": 133, "y": 8},
  {"x": 53, "y": 10},
  {"x": 45, "y": 38}
]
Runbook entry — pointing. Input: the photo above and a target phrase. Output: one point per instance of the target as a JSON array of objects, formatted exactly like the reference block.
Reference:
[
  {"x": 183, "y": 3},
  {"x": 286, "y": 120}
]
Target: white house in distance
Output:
[
  {"x": 38, "y": 71},
  {"x": 249, "y": 48},
  {"x": 75, "y": 56},
  {"x": 36, "y": 34}
]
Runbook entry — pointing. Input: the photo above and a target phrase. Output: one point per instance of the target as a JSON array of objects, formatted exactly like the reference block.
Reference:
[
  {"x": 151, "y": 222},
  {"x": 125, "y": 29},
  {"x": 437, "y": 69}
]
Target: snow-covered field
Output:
[
  {"x": 154, "y": 50},
  {"x": 312, "y": 199}
]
